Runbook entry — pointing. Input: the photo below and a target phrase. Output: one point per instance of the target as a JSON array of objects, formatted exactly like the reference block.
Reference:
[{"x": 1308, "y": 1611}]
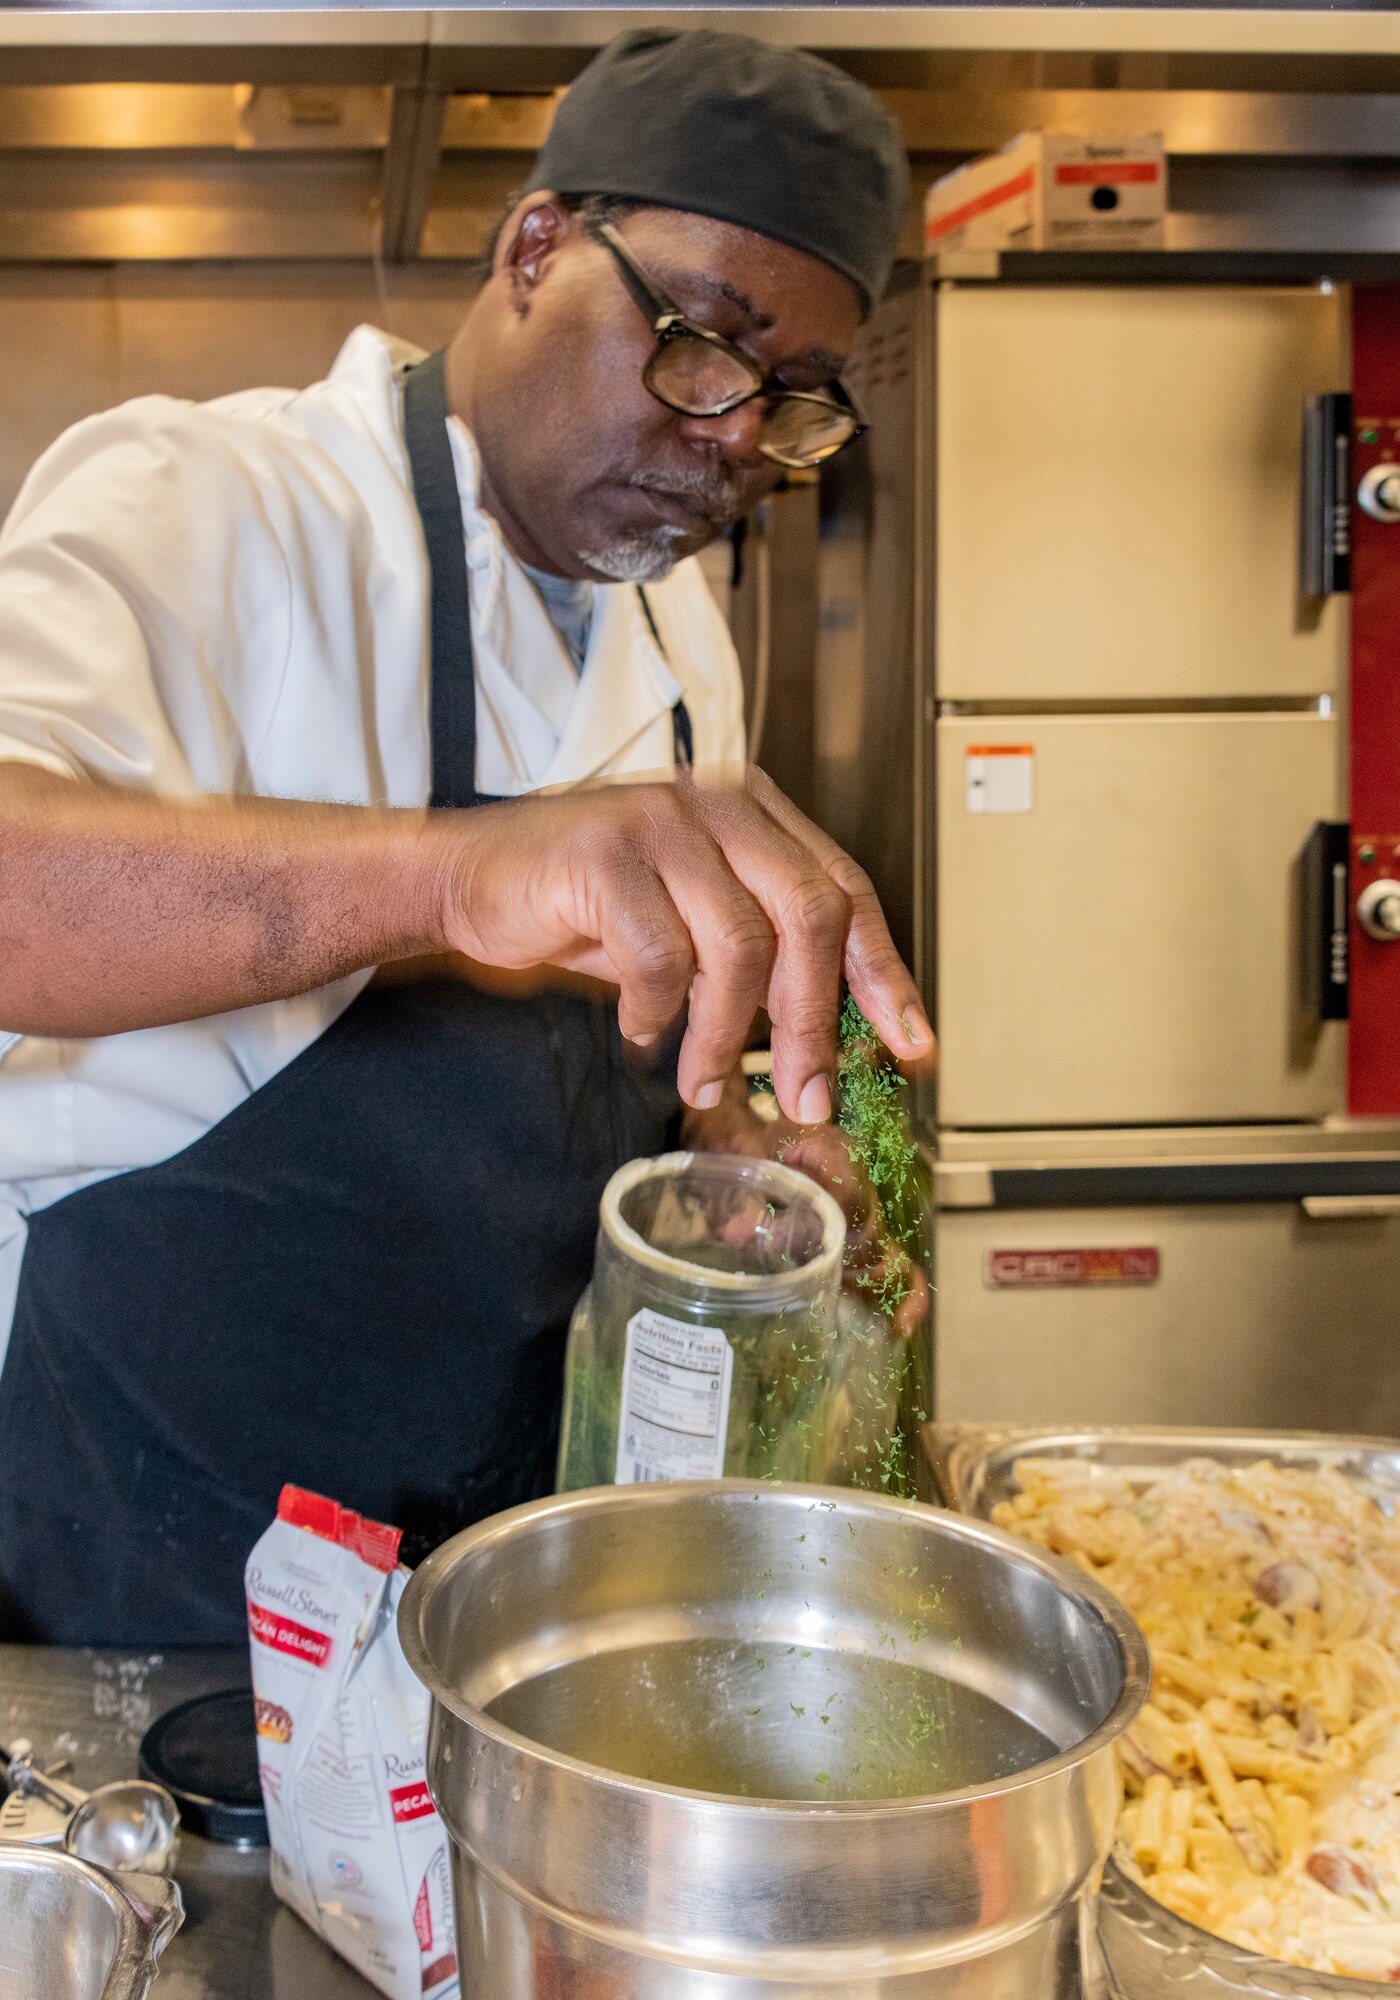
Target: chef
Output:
[{"x": 295, "y": 687}]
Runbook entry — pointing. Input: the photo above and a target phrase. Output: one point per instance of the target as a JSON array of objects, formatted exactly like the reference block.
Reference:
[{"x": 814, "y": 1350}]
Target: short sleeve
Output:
[{"x": 145, "y": 603}]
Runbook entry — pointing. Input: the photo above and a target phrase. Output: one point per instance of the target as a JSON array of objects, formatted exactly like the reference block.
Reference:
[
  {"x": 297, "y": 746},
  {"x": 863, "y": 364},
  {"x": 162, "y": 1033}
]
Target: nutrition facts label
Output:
[{"x": 675, "y": 1400}]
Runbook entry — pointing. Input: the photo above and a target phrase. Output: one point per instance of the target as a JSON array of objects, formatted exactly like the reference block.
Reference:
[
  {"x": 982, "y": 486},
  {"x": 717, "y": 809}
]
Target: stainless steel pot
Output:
[
  {"x": 70, "y": 1932},
  {"x": 725, "y": 1741}
]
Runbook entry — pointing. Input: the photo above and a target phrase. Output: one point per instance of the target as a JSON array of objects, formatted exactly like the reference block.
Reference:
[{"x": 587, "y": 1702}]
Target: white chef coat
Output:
[{"x": 232, "y": 597}]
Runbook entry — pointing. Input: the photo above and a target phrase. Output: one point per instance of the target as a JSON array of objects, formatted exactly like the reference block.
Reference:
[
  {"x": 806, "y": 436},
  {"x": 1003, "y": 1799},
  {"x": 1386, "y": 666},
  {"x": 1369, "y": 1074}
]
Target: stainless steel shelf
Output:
[{"x": 1171, "y": 267}]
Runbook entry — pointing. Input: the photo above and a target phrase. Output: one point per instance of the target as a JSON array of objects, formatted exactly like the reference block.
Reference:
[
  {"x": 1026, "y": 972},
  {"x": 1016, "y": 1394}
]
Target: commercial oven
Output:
[{"x": 1086, "y": 719}]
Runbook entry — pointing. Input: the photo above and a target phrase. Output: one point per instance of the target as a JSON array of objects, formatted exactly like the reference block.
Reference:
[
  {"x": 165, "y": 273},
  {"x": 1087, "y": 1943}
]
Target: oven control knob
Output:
[
  {"x": 1379, "y": 493},
  {"x": 1378, "y": 911}
]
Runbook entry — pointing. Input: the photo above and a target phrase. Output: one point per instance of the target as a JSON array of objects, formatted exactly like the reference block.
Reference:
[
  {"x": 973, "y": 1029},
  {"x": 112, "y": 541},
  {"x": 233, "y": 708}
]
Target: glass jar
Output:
[{"x": 714, "y": 1340}]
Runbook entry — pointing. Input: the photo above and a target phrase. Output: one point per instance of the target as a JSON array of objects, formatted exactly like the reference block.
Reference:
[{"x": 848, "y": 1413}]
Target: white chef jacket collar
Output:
[
  {"x": 624, "y": 687},
  {"x": 625, "y": 684}
]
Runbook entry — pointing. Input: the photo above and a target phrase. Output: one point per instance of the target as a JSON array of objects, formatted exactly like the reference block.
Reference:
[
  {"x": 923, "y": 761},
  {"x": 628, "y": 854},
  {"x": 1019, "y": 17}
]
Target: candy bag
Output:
[{"x": 358, "y": 1850}]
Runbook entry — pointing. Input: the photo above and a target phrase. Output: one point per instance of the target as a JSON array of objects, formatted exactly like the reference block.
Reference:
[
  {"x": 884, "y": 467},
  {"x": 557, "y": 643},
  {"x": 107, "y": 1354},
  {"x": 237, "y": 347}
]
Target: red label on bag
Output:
[
  {"x": 284, "y": 1635},
  {"x": 411, "y": 1802},
  {"x": 1009, "y": 1270}
]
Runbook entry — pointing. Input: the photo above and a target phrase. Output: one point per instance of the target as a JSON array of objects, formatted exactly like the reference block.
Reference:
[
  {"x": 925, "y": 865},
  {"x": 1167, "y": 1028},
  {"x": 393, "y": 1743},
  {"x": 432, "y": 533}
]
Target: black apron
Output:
[{"x": 360, "y": 1280}]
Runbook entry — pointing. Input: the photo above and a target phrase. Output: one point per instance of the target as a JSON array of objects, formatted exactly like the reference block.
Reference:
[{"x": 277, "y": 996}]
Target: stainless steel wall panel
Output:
[
  {"x": 872, "y": 576},
  {"x": 1245, "y": 124},
  {"x": 125, "y": 206},
  {"x": 470, "y": 194},
  {"x": 91, "y": 337},
  {"x": 1229, "y": 204}
]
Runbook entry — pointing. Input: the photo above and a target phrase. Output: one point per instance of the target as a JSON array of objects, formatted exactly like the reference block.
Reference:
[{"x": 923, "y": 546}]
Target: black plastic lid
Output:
[{"x": 205, "y": 1752}]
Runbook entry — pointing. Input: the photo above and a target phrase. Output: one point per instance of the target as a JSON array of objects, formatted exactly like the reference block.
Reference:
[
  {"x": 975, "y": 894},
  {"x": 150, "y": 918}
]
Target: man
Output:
[{"x": 261, "y": 1219}]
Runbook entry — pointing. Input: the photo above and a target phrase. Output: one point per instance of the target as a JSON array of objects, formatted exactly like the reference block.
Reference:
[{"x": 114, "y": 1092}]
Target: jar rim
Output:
[{"x": 770, "y": 1173}]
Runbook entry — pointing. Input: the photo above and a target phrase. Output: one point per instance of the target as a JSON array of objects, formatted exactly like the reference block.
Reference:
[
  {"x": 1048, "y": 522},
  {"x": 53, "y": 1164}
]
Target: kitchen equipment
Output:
[
  {"x": 126, "y": 1828},
  {"x": 25, "y": 1812},
  {"x": 70, "y": 1932},
  {"x": 1155, "y": 1955},
  {"x": 769, "y": 1740},
  {"x": 974, "y": 1464},
  {"x": 710, "y": 1342},
  {"x": 1161, "y": 1291},
  {"x": 1078, "y": 719},
  {"x": 129, "y": 1825},
  {"x": 1151, "y": 1953}
]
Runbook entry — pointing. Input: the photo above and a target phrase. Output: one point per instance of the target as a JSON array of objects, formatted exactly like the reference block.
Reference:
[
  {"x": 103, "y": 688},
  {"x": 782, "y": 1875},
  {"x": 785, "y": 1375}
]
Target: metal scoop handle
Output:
[{"x": 24, "y": 1773}]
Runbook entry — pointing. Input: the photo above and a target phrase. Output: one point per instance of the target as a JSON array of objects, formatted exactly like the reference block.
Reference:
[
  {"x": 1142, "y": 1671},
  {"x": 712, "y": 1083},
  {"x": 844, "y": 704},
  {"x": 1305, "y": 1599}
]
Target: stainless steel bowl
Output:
[
  {"x": 1152, "y": 1954},
  {"x": 752, "y": 1740},
  {"x": 69, "y": 1932}
]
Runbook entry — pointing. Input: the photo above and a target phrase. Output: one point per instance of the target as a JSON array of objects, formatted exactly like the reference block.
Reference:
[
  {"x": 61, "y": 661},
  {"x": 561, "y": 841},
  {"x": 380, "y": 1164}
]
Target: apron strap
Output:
[
  {"x": 453, "y": 680},
  {"x": 451, "y": 676},
  {"x": 682, "y": 730}
]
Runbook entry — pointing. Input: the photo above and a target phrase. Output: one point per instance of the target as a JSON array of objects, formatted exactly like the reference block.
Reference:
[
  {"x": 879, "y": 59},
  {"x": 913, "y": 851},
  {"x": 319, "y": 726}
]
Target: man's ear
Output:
[{"x": 527, "y": 243}]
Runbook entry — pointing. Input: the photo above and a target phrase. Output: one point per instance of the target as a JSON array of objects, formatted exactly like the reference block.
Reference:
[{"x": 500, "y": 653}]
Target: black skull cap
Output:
[{"x": 772, "y": 139}]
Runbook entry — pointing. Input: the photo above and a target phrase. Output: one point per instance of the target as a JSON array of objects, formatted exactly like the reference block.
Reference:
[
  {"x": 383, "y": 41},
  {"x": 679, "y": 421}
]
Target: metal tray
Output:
[{"x": 1151, "y": 1953}]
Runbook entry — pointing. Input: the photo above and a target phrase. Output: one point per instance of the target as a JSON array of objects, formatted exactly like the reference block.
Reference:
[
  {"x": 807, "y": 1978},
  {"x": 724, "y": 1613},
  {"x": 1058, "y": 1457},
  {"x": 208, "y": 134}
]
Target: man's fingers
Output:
[
  {"x": 804, "y": 996},
  {"x": 824, "y": 1155},
  {"x": 733, "y": 946},
  {"x": 808, "y": 914},
  {"x": 912, "y": 1310},
  {"x": 880, "y": 982},
  {"x": 646, "y": 942},
  {"x": 727, "y": 893}
]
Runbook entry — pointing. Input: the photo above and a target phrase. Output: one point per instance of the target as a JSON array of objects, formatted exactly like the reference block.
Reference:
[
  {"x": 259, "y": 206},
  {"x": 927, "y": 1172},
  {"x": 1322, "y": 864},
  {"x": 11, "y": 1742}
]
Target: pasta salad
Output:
[{"x": 1262, "y": 1778}]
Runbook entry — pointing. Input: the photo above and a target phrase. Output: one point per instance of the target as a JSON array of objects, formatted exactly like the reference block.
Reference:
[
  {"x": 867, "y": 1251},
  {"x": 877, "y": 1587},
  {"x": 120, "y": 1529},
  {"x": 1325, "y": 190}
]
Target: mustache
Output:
[{"x": 716, "y": 494}]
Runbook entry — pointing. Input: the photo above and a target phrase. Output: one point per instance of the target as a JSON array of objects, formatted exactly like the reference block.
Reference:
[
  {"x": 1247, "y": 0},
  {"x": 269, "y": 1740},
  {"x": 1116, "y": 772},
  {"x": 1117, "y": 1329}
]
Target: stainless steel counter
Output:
[{"x": 238, "y": 1942}]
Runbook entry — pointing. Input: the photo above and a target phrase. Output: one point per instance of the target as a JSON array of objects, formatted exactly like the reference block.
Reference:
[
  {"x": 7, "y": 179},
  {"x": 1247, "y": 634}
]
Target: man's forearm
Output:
[{"x": 119, "y": 911}]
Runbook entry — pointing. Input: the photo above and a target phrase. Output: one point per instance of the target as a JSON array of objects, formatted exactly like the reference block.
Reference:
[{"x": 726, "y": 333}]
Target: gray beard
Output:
[
  {"x": 644, "y": 557},
  {"x": 649, "y": 554}
]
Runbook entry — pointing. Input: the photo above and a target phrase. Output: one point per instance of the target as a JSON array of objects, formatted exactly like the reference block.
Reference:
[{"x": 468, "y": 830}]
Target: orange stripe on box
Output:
[
  {"x": 1001, "y": 750},
  {"x": 943, "y": 225},
  {"x": 1105, "y": 173}
]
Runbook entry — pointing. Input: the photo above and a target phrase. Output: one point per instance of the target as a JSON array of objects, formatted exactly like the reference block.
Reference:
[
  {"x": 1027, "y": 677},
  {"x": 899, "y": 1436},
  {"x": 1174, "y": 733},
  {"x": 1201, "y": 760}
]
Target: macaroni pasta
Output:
[{"x": 1262, "y": 1778}]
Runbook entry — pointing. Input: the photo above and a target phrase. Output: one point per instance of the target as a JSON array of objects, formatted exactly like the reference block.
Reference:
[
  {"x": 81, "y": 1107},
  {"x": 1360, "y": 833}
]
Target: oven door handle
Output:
[{"x": 1350, "y": 1207}]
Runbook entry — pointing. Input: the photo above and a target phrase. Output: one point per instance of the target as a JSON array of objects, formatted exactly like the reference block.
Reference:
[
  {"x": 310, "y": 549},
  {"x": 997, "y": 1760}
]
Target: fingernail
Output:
[
  {"x": 814, "y": 1105},
  {"x": 708, "y": 1096},
  {"x": 914, "y": 1022},
  {"x": 641, "y": 1041}
]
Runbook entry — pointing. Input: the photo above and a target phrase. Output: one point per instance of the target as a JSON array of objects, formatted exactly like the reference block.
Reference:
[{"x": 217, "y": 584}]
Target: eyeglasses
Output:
[{"x": 701, "y": 374}]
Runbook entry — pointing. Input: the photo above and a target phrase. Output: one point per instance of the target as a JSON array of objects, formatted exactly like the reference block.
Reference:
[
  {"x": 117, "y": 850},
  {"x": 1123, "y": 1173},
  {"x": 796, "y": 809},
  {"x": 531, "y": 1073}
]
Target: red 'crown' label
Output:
[
  {"x": 371, "y": 1541},
  {"x": 285, "y": 1635}
]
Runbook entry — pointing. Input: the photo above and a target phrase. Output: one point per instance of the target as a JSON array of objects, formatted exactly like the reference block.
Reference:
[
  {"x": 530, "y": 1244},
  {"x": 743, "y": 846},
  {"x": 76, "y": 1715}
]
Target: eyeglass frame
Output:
[{"x": 669, "y": 323}]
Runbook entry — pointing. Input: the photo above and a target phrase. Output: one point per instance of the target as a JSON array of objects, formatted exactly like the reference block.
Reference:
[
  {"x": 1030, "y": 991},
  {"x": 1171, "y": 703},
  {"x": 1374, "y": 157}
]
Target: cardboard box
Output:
[{"x": 1053, "y": 191}]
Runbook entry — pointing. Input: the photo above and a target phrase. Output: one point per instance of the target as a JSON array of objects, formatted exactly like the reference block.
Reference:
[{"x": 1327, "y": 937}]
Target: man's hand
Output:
[
  {"x": 823, "y": 1153},
  {"x": 722, "y": 891},
  {"x": 119, "y": 910}
]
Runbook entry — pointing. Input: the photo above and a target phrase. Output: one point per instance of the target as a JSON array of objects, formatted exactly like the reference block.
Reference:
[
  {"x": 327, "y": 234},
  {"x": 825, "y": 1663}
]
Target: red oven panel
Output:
[{"x": 1374, "y": 1033}]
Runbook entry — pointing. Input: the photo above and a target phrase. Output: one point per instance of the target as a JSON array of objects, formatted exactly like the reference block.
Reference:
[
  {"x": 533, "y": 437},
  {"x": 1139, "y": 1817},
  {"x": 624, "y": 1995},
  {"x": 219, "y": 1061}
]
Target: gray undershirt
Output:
[{"x": 570, "y": 607}]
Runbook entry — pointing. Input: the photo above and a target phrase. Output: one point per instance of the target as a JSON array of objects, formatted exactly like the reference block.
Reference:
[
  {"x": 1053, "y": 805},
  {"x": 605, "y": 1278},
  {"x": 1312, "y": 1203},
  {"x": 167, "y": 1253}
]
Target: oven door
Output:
[
  {"x": 1261, "y": 1315},
  {"x": 1119, "y": 918}
]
